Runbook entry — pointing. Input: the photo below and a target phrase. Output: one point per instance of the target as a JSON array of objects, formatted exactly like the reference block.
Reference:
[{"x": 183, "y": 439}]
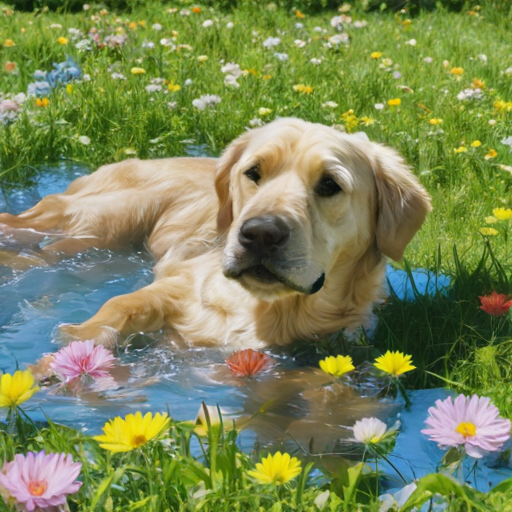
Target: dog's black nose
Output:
[{"x": 264, "y": 235}]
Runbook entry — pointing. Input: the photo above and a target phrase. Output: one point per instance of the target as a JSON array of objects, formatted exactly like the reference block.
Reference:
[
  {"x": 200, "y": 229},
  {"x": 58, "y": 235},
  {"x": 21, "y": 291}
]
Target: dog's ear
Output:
[
  {"x": 402, "y": 203},
  {"x": 223, "y": 181}
]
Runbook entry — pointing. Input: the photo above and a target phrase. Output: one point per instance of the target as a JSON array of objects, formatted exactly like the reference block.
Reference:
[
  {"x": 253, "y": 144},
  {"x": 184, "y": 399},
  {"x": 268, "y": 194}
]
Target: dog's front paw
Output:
[{"x": 101, "y": 334}]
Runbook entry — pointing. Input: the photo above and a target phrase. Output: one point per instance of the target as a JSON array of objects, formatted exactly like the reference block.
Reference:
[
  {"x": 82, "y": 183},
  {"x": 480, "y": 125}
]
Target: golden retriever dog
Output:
[{"x": 284, "y": 237}]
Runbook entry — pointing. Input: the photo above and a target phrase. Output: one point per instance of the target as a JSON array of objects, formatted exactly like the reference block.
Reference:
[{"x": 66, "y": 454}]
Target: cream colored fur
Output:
[{"x": 189, "y": 212}]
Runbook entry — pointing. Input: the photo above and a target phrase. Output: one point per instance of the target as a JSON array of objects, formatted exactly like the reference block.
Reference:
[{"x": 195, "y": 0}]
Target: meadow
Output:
[{"x": 159, "y": 80}]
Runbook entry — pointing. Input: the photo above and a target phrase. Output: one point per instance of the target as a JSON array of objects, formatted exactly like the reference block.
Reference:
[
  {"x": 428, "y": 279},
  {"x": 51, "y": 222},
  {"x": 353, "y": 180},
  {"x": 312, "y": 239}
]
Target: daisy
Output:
[{"x": 276, "y": 469}]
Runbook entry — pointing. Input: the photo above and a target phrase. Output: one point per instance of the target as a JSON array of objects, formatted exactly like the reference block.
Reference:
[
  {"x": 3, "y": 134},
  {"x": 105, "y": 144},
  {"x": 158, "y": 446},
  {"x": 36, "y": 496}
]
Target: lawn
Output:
[{"x": 184, "y": 78}]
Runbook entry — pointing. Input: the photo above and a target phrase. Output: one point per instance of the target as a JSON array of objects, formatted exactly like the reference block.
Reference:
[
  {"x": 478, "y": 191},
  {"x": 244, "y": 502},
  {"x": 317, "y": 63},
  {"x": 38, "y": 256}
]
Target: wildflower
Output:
[
  {"x": 428, "y": 60},
  {"x": 397, "y": 75},
  {"x": 330, "y": 104},
  {"x": 82, "y": 357},
  {"x": 277, "y": 469},
  {"x": 435, "y": 121},
  {"x": 201, "y": 423},
  {"x": 44, "y": 102},
  {"x": 495, "y": 304},
  {"x": 491, "y": 220},
  {"x": 337, "y": 366},
  {"x": 507, "y": 141},
  {"x": 40, "y": 481},
  {"x": 10, "y": 66},
  {"x": 132, "y": 25},
  {"x": 502, "y": 213},
  {"x": 492, "y": 122},
  {"x": 367, "y": 121},
  {"x": 231, "y": 80},
  {"x": 395, "y": 102},
  {"x": 246, "y": 363},
  {"x": 338, "y": 21},
  {"x": 316, "y": 61},
  {"x": 137, "y": 71},
  {"x": 263, "y": 111},
  {"x": 173, "y": 87},
  {"x": 476, "y": 144},
  {"x": 83, "y": 139},
  {"x": 202, "y": 58},
  {"x": 156, "y": 26},
  {"x": 379, "y": 106},
  {"x": 266, "y": 77},
  {"x": 196, "y": 9},
  {"x": 281, "y": 56},
  {"x": 270, "y": 42},
  {"x": 411, "y": 42},
  {"x": 488, "y": 231},
  {"x": 207, "y": 23},
  {"x": 457, "y": 71},
  {"x": 471, "y": 422},
  {"x": 63, "y": 40},
  {"x": 460, "y": 149},
  {"x": 491, "y": 154},
  {"x": 338, "y": 39},
  {"x": 232, "y": 69},
  {"x": 17, "y": 388},
  {"x": 134, "y": 431},
  {"x": 256, "y": 122},
  {"x": 387, "y": 62},
  {"x": 118, "y": 76},
  {"x": 305, "y": 89},
  {"x": 8, "y": 43},
  {"x": 376, "y": 55},
  {"x": 299, "y": 14},
  {"x": 371, "y": 431},
  {"x": 478, "y": 84},
  {"x": 207, "y": 100},
  {"x": 394, "y": 363}
]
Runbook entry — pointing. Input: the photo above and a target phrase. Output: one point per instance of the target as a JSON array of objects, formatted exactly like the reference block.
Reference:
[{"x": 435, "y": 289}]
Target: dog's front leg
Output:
[{"x": 145, "y": 310}]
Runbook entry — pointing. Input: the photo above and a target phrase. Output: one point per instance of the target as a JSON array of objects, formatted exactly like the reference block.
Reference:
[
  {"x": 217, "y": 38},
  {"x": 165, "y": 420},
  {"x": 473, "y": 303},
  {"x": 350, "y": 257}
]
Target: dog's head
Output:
[{"x": 297, "y": 196}]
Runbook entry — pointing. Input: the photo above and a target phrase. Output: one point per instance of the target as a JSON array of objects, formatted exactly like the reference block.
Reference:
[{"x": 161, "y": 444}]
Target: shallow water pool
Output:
[{"x": 289, "y": 405}]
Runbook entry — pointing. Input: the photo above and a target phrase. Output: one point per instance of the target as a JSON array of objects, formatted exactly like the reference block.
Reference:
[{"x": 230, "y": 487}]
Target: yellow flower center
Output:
[
  {"x": 139, "y": 440},
  {"x": 37, "y": 488},
  {"x": 466, "y": 429}
]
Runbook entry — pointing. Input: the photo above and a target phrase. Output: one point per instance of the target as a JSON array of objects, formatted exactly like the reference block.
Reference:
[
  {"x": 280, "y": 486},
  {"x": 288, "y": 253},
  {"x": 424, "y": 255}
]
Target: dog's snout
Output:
[{"x": 264, "y": 235}]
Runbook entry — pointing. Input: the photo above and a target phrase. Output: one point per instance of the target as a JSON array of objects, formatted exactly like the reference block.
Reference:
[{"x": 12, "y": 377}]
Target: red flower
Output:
[
  {"x": 496, "y": 304},
  {"x": 246, "y": 363}
]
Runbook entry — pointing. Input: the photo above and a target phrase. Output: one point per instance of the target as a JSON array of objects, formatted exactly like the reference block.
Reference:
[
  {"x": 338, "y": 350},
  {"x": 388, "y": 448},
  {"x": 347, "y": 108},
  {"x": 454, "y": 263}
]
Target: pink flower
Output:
[
  {"x": 472, "y": 422},
  {"x": 246, "y": 363},
  {"x": 40, "y": 481},
  {"x": 82, "y": 358}
]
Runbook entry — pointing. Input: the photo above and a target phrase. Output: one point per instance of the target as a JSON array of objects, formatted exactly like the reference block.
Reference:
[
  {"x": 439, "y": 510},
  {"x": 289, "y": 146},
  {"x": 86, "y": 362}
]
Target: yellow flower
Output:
[
  {"x": 460, "y": 149},
  {"x": 196, "y": 9},
  {"x": 435, "y": 121},
  {"x": 306, "y": 89},
  {"x": 132, "y": 25},
  {"x": 63, "y": 40},
  {"x": 478, "y": 84},
  {"x": 394, "y": 363},
  {"x": 42, "y": 102},
  {"x": 456, "y": 71},
  {"x": 173, "y": 87},
  {"x": 69, "y": 88},
  {"x": 202, "y": 58},
  {"x": 337, "y": 366},
  {"x": 491, "y": 154},
  {"x": 299, "y": 14},
  {"x": 263, "y": 111},
  {"x": 17, "y": 388},
  {"x": 134, "y": 431},
  {"x": 277, "y": 469},
  {"x": 491, "y": 220},
  {"x": 476, "y": 144},
  {"x": 350, "y": 120},
  {"x": 8, "y": 43},
  {"x": 395, "y": 102},
  {"x": 367, "y": 121},
  {"x": 266, "y": 77},
  {"x": 503, "y": 105},
  {"x": 502, "y": 213},
  {"x": 138, "y": 71},
  {"x": 376, "y": 55},
  {"x": 488, "y": 231}
]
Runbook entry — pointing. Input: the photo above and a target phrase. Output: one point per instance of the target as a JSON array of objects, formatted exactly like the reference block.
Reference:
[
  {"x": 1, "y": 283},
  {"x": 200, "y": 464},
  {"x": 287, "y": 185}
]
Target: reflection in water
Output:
[{"x": 301, "y": 409}]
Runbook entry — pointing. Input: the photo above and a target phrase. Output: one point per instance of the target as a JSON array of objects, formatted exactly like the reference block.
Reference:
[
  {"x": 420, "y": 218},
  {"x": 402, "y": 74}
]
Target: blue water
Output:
[{"x": 287, "y": 406}]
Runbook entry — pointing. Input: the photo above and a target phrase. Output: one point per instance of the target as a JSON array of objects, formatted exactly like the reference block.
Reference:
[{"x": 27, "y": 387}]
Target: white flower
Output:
[
  {"x": 230, "y": 24},
  {"x": 83, "y": 139},
  {"x": 369, "y": 430},
  {"x": 492, "y": 122},
  {"x": 185, "y": 12},
  {"x": 232, "y": 69},
  {"x": 153, "y": 88},
  {"x": 156, "y": 26},
  {"x": 411, "y": 42},
  {"x": 75, "y": 33},
  {"x": 397, "y": 500},
  {"x": 316, "y": 61},
  {"x": 206, "y": 100},
  {"x": 118, "y": 76},
  {"x": 270, "y": 42},
  {"x": 56, "y": 25},
  {"x": 172, "y": 104},
  {"x": 256, "y": 122},
  {"x": 86, "y": 7},
  {"x": 470, "y": 94},
  {"x": 360, "y": 24},
  {"x": 338, "y": 21},
  {"x": 188, "y": 81},
  {"x": 329, "y": 104},
  {"x": 483, "y": 57},
  {"x": 508, "y": 142},
  {"x": 207, "y": 23},
  {"x": 299, "y": 25},
  {"x": 166, "y": 42},
  {"x": 148, "y": 44},
  {"x": 299, "y": 43},
  {"x": 84, "y": 44},
  {"x": 338, "y": 39},
  {"x": 281, "y": 56},
  {"x": 508, "y": 71},
  {"x": 397, "y": 75},
  {"x": 319, "y": 29},
  {"x": 231, "y": 80},
  {"x": 428, "y": 60},
  {"x": 379, "y": 106}
]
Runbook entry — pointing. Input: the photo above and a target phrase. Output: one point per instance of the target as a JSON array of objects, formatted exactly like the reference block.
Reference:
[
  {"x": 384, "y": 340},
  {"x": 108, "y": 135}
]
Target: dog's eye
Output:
[
  {"x": 253, "y": 173},
  {"x": 327, "y": 187}
]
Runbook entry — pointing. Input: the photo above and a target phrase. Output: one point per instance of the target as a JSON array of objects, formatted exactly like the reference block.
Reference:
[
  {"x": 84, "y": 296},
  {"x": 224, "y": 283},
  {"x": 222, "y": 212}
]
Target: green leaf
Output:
[
  {"x": 105, "y": 485},
  {"x": 353, "y": 478}
]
